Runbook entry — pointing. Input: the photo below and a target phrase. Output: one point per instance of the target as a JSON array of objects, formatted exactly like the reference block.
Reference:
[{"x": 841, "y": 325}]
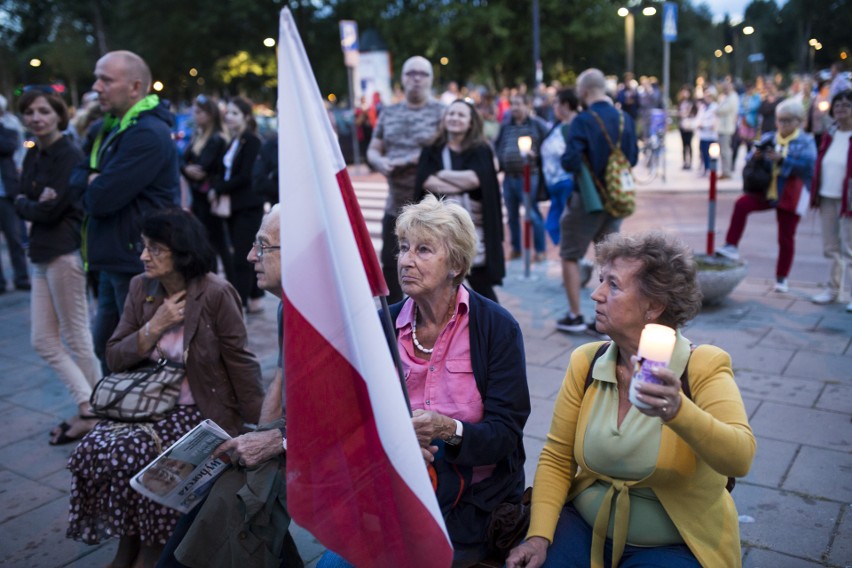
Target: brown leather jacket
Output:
[{"x": 223, "y": 375}]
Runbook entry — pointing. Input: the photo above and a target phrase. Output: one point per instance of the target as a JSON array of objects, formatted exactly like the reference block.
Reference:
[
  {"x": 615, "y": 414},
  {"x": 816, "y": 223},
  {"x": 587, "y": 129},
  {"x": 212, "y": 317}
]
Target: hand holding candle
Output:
[{"x": 656, "y": 345}]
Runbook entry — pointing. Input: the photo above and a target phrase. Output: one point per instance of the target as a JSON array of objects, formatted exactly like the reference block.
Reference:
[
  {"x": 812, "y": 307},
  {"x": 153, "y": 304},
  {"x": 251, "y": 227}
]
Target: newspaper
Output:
[{"x": 183, "y": 475}]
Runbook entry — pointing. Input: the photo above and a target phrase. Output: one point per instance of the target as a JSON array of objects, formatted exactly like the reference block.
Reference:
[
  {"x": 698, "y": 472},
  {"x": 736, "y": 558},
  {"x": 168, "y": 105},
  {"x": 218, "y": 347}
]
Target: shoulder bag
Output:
[{"x": 144, "y": 394}]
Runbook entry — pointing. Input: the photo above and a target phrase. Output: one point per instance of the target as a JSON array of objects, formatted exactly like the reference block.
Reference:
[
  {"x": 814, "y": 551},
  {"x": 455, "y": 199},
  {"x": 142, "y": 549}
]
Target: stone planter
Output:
[{"x": 718, "y": 276}]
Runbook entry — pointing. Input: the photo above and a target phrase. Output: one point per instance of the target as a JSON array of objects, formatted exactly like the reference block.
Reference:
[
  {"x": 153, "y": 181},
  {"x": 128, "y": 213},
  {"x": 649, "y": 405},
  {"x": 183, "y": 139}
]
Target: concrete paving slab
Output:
[
  {"x": 49, "y": 396},
  {"x": 59, "y": 480},
  {"x": 824, "y": 368},
  {"x": 36, "y": 461},
  {"x": 819, "y": 428},
  {"x": 26, "y": 423},
  {"x": 37, "y": 539},
  {"x": 772, "y": 461},
  {"x": 18, "y": 376},
  {"x": 532, "y": 447},
  {"x": 100, "y": 555},
  {"x": 538, "y": 423},
  {"x": 764, "y": 359},
  {"x": 817, "y": 340},
  {"x": 778, "y": 388},
  {"x": 21, "y": 495},
  {"x": 836, "y": 397},
  {"x": 751, "y": 406},
  {"x": 544, "y": 382},
  {"x": 785, "y": 522},
  {"x": 821, "y": 473},
  {"x": 757, "y": 558},
  {"x": 841, "y": 547}
]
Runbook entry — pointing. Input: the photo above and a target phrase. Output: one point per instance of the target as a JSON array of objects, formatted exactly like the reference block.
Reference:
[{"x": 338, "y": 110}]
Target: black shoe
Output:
[
  {"x": 571, "y": 325},
  {"x": 23, "y": 286}
]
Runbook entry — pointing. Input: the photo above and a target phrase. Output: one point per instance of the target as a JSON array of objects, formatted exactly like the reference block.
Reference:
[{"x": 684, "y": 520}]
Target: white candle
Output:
[{"x": 657, "y": 343}]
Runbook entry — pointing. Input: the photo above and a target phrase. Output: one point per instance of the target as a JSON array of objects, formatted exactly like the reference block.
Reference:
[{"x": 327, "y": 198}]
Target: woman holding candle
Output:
[{"x": 644, "y": 473}]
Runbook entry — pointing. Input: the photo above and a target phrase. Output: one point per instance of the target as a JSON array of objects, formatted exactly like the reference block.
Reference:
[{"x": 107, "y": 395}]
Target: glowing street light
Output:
[
  {"x": 623, "y": 12},
  {"x": 627, "y": 14},
  {"x": 35, "y": 62},
  {"x": 193, "y": 72},
  {"x": 812, "y": 42},
  {"x": 445, "y": 61},
  {"x": 158, "y": 86},
  {"x": 748, "y": 30},
  {"x": 818, "y": 46},
  {"x": 729, "y": 48},
  {"x": 649, "y": 11},
  {"x": 718, "y": 53},
  {"x": 269, "y": 42}
]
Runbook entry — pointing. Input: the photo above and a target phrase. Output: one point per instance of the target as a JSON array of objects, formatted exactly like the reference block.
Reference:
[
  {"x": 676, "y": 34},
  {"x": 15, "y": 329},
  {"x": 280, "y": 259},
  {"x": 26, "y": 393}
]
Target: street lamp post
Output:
[{"x": 629, "y": 29}]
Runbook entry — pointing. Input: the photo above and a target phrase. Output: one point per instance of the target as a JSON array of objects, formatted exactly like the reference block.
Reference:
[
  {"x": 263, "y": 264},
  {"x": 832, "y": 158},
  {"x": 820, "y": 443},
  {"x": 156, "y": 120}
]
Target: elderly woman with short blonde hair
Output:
[
  {"x": 792, "y": 153},
  {"x": 463, "y": 357}
]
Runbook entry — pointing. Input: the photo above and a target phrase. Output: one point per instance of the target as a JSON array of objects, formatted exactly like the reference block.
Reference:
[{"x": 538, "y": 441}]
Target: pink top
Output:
[
  {"x": 171, "y": 344},
  {"x": 445, "y": 383}
]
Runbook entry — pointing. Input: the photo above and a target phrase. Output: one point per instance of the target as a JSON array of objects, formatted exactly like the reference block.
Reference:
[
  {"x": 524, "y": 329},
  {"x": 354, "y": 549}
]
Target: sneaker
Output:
[
  {"x": 824, "y": 297},
  {"x": 729, "y": 251},
  {"x": 571, "y": 324},
  {"x": 781, "y": 285}
]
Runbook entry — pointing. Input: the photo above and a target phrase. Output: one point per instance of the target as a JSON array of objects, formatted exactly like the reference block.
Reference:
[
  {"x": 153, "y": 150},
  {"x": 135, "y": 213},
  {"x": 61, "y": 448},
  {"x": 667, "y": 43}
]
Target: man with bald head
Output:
[
  {"x": 133, "y": 169},
  {"x": 400, "y": 134},
  {"x": 587, "y": 143}
]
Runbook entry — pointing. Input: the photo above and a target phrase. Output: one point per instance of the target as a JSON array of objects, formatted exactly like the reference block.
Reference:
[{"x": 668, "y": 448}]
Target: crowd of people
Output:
[{"x": 102, "y": 193}]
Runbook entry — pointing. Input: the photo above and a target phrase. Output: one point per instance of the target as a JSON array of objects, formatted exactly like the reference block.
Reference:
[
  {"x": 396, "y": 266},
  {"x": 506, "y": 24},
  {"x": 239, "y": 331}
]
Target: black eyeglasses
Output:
[
  {"x": 261, "y": 248},
  {"x": 153, "y": 249}
]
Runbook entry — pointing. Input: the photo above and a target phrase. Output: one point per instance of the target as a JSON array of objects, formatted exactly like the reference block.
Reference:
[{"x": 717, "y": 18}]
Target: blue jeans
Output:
[
  {"x": 572, "y": 546},
  {"x": 513, "y": 195},
  {"x": 112, "y": 291},
  {"x": 704, "y": 150}
]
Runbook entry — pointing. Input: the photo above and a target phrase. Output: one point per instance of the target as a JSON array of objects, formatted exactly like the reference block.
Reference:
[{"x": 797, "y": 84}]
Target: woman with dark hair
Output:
[
  {"x": 832, "y": 194},
  {"x": 59, "y": 306},
  {"x": 687, "y": 111},
  {"x": 202, "y": 162},
  {"x": 459, "y": 165},
  {"x": 636, "y": 476},
  {"x": 235, "y": 182},
  {"x": 178, "y": 310}
]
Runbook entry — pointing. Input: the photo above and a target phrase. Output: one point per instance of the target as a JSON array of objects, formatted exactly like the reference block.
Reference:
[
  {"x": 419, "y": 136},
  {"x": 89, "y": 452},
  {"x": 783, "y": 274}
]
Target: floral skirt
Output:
[{"x": 103, "y": 504}]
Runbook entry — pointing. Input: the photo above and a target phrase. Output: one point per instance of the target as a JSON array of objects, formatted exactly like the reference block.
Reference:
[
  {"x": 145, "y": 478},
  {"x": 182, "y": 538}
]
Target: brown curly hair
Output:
[{"x": 667, "y": 276}]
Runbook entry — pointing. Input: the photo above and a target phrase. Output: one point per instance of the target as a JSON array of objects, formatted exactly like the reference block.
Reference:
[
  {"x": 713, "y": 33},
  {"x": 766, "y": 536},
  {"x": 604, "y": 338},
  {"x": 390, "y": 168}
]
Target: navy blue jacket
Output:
[
  {"x": 138, "y": 173},
  {"x": 499, "y": 367},
  {"x": 9, "y": 144},
  {"x": 585, "y": 137}
]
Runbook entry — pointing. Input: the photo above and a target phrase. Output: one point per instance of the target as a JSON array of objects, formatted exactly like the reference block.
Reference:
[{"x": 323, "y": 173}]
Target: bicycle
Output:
[{"x": 650, "y": 160}]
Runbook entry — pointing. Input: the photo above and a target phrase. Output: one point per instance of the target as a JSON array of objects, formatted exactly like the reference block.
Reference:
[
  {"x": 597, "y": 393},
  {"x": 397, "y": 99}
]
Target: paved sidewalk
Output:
[{"x": 793, "y": 363}]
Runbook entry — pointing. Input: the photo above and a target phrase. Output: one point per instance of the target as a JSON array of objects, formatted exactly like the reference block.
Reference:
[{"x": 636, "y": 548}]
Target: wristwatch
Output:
[{"x": 456, "y": 439}]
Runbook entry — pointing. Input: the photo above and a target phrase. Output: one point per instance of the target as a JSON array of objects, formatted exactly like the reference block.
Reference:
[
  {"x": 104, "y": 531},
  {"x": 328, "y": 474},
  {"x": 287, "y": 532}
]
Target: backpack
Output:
[
  {"x": 684, "y": 385},
  {"x": 618, "y": 189}
]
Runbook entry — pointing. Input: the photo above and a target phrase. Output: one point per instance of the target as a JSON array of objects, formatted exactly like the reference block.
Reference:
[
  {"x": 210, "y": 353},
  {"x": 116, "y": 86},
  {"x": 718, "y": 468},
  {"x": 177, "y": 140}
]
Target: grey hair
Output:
[
  {"x": 790, "y": 107},
  {"x": 448, "y": 224},
  {"x": 591, "y": 80}
]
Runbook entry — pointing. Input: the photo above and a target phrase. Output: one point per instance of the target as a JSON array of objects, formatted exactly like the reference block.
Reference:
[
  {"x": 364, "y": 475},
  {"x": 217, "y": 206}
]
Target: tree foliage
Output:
[{"x": 484, "y": 41}]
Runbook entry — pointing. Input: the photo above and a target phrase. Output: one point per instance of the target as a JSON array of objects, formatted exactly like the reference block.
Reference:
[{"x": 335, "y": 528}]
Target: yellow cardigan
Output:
[{"x": 709, "y": 440}]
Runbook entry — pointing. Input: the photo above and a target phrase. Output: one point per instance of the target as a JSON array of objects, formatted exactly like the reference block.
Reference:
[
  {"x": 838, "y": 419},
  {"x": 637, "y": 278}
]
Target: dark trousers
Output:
[
  {"x": 217, "y": 233},
  {"x": 787, "y": 222},
  {"x": 686, "y": 140},
  {"x": 390, "y": 250},
  {"x": 112, "y": 292},
  {"x": 243, "y": 226},
  {"x": 10, "y": 225}
]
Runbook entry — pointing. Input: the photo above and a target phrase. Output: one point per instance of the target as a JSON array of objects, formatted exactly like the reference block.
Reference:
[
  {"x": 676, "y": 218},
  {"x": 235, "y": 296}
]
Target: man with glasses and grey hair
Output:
[{"x": 400, "y": 134}]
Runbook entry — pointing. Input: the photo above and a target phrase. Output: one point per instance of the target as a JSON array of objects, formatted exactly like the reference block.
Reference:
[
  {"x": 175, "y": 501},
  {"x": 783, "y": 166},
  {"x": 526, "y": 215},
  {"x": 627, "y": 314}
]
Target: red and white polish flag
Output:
[{"x": 355, "y": 476}]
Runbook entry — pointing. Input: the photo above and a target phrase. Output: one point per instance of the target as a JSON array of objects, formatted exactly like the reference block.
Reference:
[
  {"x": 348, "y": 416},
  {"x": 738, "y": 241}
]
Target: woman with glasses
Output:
[
  {"x": 791, "y": 152},
  {"x": 459, "y": 165},
  {"x": 246, "y": 203},
  {"x": 202, "y": 162},
  {"x": 59, "y": 305},
  {"x": 179, "y": 309},
  {"x": 832, "y": 193}
]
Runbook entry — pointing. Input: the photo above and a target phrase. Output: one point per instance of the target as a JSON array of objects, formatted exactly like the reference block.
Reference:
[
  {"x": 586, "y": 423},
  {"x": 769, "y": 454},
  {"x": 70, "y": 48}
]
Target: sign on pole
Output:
[
  {"x": 670, "y": 22},
  {"x": 349, "y": 42}
]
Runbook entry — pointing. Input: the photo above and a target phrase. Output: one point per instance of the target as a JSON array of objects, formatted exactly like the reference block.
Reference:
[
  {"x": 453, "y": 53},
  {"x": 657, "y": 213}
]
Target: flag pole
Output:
[{"x": 390, "y": 335}]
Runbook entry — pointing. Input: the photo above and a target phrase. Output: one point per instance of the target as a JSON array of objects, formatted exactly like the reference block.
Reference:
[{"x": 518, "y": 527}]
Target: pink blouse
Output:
[{"x": 171, "y": 344}]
